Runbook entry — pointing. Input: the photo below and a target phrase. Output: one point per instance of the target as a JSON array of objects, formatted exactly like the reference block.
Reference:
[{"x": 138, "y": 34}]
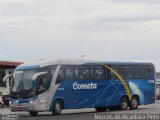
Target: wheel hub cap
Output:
[
  {"x": 134, "y": 103},
  {"x": 58, "y": 107},
  {"x": 124, "y": 104}
]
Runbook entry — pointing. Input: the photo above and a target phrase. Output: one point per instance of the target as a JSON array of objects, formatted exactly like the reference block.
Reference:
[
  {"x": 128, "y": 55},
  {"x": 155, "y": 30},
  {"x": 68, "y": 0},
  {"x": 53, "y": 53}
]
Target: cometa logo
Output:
[{"x": 84, "y": 86}]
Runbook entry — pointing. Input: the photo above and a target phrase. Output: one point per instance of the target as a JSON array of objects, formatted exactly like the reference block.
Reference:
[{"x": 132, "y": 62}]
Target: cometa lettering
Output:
[{"x": 84, "y": 86}]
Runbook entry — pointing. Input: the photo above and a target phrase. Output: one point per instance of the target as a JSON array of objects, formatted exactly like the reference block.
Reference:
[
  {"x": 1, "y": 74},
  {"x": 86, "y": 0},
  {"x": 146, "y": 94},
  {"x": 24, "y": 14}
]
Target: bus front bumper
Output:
[{"x": 20, "y": 107}]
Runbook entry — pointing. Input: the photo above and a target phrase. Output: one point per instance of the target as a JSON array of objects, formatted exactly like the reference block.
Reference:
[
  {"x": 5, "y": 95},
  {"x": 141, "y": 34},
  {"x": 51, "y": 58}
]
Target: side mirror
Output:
[{"x": 34, "y": 78}]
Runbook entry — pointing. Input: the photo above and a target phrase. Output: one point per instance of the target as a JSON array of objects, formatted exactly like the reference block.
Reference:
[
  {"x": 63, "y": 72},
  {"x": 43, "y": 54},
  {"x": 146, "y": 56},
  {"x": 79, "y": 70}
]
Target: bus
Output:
[{"x": 73, "y": 84}]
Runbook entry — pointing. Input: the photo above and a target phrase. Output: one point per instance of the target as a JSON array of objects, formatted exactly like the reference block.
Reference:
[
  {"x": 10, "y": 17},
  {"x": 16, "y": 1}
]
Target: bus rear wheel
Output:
[
  {"x": 124, "y": 103},
  {"x": 101, "y": 109},
  {"x": 57, "y": 107},
  {"x": 33, "y": 113},
  {"x": 134, "y": 103}
]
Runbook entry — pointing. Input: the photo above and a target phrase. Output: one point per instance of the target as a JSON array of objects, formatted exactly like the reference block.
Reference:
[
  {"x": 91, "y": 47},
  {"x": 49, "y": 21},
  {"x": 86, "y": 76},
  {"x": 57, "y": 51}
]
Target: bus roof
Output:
[{"x": 43, "y": 63}]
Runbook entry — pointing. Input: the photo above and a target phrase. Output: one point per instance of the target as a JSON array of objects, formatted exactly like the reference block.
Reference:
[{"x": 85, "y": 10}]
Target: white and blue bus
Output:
[{"x": 71, "y": 84}]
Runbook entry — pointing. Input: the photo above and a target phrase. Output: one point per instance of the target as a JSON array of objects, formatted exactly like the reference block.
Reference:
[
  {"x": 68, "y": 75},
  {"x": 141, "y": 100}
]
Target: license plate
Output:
[{"x": 18, "y": 108}]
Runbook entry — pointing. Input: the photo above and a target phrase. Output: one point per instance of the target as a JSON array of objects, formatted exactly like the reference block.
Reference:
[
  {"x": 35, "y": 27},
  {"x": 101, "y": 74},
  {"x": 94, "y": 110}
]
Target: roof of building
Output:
[{"x": 9, "y": 63}]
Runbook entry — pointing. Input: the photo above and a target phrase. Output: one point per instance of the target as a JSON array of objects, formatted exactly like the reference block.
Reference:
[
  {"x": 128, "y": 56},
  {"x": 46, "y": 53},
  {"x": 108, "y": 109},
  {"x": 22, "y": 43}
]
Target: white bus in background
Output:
[{"x": 4, "y": 85}]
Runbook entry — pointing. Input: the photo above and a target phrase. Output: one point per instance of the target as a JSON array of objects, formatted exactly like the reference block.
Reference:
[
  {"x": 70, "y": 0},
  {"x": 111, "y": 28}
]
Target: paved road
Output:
[{"x": 91, "y": 114}]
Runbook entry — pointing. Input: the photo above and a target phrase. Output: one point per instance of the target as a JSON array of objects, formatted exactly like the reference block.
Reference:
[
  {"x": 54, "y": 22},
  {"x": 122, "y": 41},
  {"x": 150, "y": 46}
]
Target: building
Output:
[{"x": 6, "y": 67}]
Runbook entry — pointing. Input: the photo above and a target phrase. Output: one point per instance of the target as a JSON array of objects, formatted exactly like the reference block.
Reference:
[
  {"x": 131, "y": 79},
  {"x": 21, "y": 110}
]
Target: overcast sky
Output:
[{"x": 99, "y": 29}]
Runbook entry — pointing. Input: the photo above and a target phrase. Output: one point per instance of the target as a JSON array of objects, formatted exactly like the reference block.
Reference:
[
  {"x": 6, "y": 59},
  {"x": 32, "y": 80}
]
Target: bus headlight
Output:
[
  {"x": 31, "y": 106},
  {"x": 31, "y": 102},
  {"x": 10, "y": 102}
]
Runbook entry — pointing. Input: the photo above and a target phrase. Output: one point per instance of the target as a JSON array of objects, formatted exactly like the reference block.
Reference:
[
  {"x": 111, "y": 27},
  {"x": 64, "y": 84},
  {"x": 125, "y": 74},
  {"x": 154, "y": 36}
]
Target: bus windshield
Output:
[{"x": 22, "y": 86}]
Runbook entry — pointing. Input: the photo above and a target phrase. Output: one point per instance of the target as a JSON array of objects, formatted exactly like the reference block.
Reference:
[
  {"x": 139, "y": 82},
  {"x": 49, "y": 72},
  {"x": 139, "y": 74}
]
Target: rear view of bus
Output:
[{"x": 57, "y": 85}]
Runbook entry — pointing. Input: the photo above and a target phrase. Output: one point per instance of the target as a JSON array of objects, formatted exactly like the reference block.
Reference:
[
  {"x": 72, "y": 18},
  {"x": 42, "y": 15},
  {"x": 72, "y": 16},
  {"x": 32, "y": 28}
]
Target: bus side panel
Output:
[
  {"x": 149, "y": 92},
  {"x": 144, "y": 89},
  {"x": 111, "y": 96},
  {"x": 107, "y": 93}
]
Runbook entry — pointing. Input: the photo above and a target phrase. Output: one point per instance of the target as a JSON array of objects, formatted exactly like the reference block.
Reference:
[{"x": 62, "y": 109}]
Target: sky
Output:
[{"x": 98, "y": 29}]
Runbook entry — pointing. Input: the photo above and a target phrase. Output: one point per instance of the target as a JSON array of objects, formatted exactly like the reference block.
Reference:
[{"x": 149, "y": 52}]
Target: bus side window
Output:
[
  {"x": 69, "y": 73},
  {"x": 77, "y": 73},
  {"x": 51, "y": 71},
  {"x": 149, "y": 72},
  {"x": 66, "y": 72},
  {"x": 60, "y": 76},
  {"x": 125, "y": 71},
  {"x": 139, "y": 72},
  {"x": 82, "y": 72},
  {"x": 128, "y": 72},
  {"x": 122, "y": 71},
  {"x": 42, "y": 84},
  {"x": 116, "y": 68},
  {"x": 97, "y": 73}
]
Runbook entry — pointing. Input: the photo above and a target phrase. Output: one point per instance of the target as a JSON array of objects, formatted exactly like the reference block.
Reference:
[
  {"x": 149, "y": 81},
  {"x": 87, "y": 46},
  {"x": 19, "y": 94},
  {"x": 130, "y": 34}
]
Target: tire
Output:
[
  {"x": 101, "y": 109},
  {"x": 33, "y": 113},
  {"x": 124, "y": 103},
  {"x": 57, "y": 107},
  {"x": 134, "y": 103}
]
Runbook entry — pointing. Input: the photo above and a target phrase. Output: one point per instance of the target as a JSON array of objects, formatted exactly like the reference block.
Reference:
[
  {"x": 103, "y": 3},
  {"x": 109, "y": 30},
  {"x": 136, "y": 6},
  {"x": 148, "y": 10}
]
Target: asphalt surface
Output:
[{"x": 150, "y": 112}]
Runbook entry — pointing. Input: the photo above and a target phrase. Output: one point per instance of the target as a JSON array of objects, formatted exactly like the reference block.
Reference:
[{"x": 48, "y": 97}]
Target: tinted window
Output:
[
  {"x": 82, "y": 73},
  {"x": 45, "y": 80},
  {"x": 131, "y": 72},
  {"x": 127, "y": 72},
  {"x": 50, "y": 69},
  {"x": 66, "y": 73},
  {"x": 139, "y": 72},
  {"x": 149, "y": 72},
  {"x": 97, "y": 73},
  {"x": 117, "y": 69},
  {"x": 42, "y": 85}
]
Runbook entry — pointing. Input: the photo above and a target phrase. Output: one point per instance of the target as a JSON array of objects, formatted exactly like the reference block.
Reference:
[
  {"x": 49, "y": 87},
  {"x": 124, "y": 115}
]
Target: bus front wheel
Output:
[
  {"x": 124, "y": 103},
  {"x": 101, "y": 109},
  {"x": 134, "y": 103},
  {"x": 57, "y": 107},
  {"x": 33, "y": 113}
]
